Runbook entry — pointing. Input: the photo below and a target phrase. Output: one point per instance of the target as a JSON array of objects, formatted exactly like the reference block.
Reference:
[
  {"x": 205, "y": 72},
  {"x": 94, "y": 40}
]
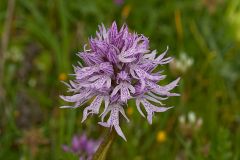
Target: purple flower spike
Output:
[
  {"x": 82, "y": 146},
  {"x": 119, "y": 66}
]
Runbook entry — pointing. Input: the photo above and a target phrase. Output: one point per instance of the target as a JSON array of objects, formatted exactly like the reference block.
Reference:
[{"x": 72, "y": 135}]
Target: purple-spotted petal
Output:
[
  {"x": 93, "y": 108},
  {"x": 150, "y": 109},
  {"x": 113, "y": 120},
  {"x": 163, "y": 90}
]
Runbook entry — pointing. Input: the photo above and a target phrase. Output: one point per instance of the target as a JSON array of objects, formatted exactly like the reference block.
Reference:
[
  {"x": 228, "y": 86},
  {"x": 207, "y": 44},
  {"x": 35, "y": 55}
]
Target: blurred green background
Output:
[{"x": 39, "y": 39}]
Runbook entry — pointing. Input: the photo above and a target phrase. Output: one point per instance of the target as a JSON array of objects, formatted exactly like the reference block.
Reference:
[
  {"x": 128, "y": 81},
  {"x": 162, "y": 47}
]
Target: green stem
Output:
[{"x": 102, "y": 150}]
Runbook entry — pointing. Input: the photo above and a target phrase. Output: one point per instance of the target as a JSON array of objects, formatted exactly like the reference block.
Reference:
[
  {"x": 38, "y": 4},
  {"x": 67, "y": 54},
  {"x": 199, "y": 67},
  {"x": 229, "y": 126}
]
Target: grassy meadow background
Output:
[{"x": 39, "y": 39}]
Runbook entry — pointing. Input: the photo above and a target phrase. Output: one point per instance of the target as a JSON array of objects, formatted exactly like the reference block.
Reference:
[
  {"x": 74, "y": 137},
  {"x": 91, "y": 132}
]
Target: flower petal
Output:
[
  {"x": 160, "y": 57},
  {"x": 113, "y": 120},
  {"x": 93, "y": 107},
  {"x": 106, "y": 104},
  {"x": 73, "y": 98},
  {"x": 139, "y": 107},
  {"x": 115, "y": 90},
  {"x": 119, "y": 131},
  {"x": 126, "y": 60},
  {"x": 150, "y": 108},
  {"x": 151, "y": 55},
  {"x": 125, "y": 94},
  {"x": 163, "y": 90}
]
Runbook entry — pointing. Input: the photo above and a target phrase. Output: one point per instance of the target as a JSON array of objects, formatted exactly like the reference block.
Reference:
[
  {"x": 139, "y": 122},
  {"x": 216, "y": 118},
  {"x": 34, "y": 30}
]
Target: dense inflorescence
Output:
[{"x": 119, "y": 66}]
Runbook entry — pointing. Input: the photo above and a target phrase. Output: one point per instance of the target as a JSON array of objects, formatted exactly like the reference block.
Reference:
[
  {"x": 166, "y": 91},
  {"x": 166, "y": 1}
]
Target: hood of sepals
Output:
[{"x": 123, "y": 76}]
